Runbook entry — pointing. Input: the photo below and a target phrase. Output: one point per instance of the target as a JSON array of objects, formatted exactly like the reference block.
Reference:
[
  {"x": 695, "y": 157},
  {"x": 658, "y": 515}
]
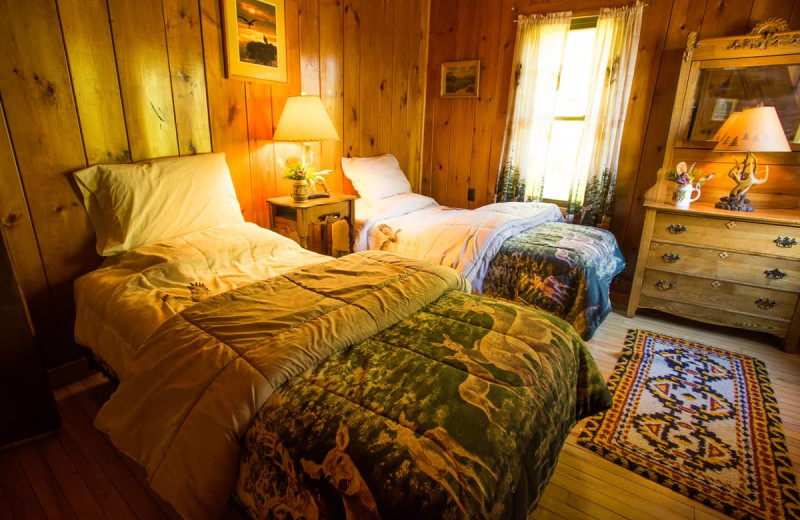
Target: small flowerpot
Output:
[
  {"x": 684, "y": 195},
  {"x": 300, "y": 191}
]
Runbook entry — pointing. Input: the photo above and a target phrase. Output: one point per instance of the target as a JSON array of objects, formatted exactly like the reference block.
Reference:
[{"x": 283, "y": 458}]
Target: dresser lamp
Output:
[
  {"x": 751, "y": 130},
  {"x": 305, "y": 120}
]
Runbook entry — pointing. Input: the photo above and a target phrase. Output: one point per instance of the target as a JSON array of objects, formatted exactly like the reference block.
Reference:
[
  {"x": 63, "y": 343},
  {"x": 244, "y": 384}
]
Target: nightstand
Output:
[{"x": 294, "y": 219}]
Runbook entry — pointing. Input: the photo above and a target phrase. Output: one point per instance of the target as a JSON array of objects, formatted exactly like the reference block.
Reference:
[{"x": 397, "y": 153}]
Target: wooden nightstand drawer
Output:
[
  {"x": 725, "y": 296},
  {"x": 727, "y": 234},
  {"x": 776, "y": 273}
]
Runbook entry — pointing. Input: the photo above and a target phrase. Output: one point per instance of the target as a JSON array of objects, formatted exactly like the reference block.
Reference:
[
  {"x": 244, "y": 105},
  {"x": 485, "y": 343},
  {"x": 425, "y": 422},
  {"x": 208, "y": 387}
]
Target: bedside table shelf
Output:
[{"x": 294, "y": 219}]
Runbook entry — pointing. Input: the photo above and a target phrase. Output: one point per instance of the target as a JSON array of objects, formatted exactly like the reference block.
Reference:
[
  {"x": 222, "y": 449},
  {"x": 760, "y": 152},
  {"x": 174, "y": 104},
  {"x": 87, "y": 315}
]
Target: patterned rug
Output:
[{"x": 700, "y": 420}]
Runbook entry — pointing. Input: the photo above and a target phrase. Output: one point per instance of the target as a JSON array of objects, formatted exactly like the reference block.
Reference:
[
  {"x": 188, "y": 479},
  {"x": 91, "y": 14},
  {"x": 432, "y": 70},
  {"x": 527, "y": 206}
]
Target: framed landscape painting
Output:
[
  {"x": 254, "y": 32},
  {"x": 461, "y": 78}
]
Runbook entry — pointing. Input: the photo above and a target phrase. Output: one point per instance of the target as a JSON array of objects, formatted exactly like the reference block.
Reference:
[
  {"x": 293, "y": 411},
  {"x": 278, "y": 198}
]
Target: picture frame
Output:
[
  {"x": 461, "y": 79},
  {"x": 723, "y": 108},
  {"x": 254, "y": 36}
]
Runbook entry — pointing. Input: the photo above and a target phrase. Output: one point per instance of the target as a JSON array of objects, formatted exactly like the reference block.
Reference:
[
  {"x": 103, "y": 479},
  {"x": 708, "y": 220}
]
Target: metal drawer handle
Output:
[
  {"x": 671, "y": 258},
  {"x": 775, "y": 274},
  {"x": 785, "y": 241},
  {"x": 715, "y": 284},
  {"x": 730, "y": 225},
  {"x": 723, "y": 255},
  {"x": 766, "y": 303},
  {"x": 676, "y": 229},
  {"x": 665, "y": 285}
]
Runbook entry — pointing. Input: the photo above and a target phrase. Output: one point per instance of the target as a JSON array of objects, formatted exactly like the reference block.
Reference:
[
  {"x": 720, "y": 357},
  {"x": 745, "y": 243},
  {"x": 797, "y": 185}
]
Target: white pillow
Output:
[
  {"x": 135, "y": 204},
  {"x": 376, "y": 178}
]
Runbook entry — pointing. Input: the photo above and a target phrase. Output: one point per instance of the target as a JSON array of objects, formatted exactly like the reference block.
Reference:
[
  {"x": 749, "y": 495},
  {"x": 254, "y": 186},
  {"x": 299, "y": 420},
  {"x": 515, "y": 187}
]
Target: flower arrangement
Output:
[
  {"x": 294, "y": 169},
  {"x": 683, "y": 175}
]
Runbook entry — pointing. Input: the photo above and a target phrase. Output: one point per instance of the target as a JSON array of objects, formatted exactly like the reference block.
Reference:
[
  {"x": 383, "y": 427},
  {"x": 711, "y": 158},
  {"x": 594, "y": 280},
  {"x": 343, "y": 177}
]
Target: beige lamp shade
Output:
[
  {"x": 752, "y": 130},
  {"x": 726, "y": 126},
  {"x": 304, "y": 119}
]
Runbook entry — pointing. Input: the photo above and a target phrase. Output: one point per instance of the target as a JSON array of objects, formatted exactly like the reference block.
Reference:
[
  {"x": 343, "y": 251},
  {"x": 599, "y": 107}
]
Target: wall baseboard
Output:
[{"x": 68, "y": 373}]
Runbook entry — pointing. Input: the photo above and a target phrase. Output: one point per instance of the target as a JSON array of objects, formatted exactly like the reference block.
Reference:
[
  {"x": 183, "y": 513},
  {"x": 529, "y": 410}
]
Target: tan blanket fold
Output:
[{"x": 199, "y": 380}]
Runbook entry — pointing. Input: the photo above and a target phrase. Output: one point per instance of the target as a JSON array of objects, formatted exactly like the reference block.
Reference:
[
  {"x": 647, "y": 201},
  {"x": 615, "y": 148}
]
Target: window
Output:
[{"x": 570, "y": 114}]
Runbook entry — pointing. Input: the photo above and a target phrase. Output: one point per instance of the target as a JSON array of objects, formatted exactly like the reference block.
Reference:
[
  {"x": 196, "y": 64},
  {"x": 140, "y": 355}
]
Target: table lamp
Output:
[
  {"x": 305, "y": 120},
  {"x": 751, "y": 130}
]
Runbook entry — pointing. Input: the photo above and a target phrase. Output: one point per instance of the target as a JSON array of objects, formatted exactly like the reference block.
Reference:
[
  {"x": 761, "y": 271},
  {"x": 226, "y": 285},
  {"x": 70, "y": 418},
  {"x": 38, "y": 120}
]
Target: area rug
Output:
[{"x": 700, "y": 420}]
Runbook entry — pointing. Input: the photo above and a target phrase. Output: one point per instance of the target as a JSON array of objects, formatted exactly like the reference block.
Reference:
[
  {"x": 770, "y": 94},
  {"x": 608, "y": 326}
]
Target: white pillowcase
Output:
[
  {"x": 376, "y": 178},
  {"x": 139, "y": 203}
]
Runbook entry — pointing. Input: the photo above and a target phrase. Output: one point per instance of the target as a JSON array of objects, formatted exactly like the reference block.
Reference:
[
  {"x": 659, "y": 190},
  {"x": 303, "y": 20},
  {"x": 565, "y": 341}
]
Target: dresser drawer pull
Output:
[
  {"x": 730, "y": 225},
  {"x": 676, "y": 229},
  {"x": 665, "y": 285},
  {"x": 785, "y": 241},
  {"x": 723, "y": 255},
  {"x": 671, "y": 258},
  {"x": 766, "y": 304},
  {"x": 775, "y": 274},
  {"x": 715, "y": 284}
]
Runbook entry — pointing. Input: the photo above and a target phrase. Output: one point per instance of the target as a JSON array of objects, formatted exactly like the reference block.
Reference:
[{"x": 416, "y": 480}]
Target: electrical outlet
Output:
[{"x": 471, "y": 194}]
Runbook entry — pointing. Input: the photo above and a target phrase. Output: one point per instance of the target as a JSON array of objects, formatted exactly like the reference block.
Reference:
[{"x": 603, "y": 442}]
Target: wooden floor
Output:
[{"x": 77, "y": 474}]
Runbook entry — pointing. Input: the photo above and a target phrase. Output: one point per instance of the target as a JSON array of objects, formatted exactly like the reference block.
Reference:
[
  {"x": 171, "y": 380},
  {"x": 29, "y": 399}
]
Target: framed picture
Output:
[
  {"x": 723, "y": 108},
  {"x": 461, "y": 79},
  {"x": 254, "y": 32}
]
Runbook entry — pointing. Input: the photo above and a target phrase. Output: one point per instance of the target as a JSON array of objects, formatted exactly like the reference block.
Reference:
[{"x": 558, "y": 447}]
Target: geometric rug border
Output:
[{"x": 783, "y": 464}]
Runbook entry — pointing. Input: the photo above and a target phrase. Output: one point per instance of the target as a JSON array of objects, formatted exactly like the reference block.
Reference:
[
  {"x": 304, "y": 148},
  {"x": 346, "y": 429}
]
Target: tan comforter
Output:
[{"x": 191, "y": 395}]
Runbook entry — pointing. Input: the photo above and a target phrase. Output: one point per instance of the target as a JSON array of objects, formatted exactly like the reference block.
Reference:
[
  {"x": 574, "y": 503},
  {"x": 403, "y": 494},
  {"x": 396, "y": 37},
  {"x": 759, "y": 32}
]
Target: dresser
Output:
[
  {"x": 736, "y": 269},
  {"x": 730, "y": 268}
]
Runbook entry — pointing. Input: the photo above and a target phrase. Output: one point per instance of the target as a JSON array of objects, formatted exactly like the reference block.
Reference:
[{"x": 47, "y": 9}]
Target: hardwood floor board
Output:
[
  {"x": 47, "y": 490},
  {"x": 5, "y": 504},
  {"x": 22, "y": 501},
  {"x": 629, "y": 505},
  {"x": 564, "y": 509},
  {"x": 80, "y": 497},
  {"x": 625, "y": 483},
  {"x": 94, "y": 475},
  {"x": 79, "y": 409},
  {"x": 542, "y": 513}
]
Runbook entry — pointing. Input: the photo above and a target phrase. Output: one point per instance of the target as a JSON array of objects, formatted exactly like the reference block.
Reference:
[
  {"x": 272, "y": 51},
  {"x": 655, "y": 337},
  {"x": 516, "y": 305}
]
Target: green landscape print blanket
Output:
[
  {"x": 564, "y": 269},
  {"x": 458, "y": 411}
]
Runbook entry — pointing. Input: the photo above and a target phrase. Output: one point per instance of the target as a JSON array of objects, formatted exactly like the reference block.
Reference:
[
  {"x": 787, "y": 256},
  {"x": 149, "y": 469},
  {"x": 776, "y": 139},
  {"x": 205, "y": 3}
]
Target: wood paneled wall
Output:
[
  {"x": 464, "y": 137},
  {"x": 93, "y": 81}
]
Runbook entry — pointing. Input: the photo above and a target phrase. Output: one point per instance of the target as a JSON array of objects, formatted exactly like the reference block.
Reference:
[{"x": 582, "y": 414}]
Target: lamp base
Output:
[{"x": 732, "y": 204}]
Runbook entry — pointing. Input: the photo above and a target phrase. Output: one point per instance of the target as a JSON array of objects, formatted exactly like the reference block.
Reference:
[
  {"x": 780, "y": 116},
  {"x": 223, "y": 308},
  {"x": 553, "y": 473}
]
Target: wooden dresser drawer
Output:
[
  {"x": 716, "y": 316},
  {"x": 726, "y": 234},
  {"x": 726, "y": 296},
  {"x": 784, "y": 273}
]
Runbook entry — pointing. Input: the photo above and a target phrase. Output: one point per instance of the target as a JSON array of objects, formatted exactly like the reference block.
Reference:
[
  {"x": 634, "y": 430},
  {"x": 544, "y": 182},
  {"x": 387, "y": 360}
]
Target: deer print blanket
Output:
[
  {"x": 196, "y": 383},
  {"x": 457, "y": 411},
  {"x": 560, "y": 268}
]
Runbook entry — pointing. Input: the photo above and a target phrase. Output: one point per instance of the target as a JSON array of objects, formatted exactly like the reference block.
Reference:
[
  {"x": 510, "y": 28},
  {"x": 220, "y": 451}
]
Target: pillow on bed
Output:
[
  {"x": 376, "y": 178},
  {"x": 135, "y": 204}
]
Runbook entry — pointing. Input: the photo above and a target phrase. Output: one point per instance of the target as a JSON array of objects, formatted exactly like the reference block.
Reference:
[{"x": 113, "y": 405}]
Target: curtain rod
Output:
[{"x": 517, "y": 16}]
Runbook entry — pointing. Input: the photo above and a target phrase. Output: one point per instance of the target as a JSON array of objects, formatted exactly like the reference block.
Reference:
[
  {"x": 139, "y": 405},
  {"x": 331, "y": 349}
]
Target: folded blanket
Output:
[{"x": 196, "y": 384}]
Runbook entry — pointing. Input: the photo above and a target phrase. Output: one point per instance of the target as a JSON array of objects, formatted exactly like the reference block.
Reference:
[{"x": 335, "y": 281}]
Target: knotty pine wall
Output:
[
  {"x": 463, "y": 138},
  {"x": 95, "y": 81}
]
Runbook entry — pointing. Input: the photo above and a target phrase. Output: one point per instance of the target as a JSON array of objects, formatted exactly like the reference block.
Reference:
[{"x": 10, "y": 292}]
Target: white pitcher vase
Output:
[{"x": 684, "y": 195}]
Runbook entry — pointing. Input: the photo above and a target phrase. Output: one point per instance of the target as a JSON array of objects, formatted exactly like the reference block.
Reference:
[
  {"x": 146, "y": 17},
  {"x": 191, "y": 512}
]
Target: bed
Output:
[
  {"x": 301, "y": 386},
  {"x": 523, "y": 252}
]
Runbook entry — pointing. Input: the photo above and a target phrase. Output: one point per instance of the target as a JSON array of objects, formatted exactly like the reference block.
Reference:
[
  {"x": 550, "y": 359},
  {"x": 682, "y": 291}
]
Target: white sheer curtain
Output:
[
  {"x": 614, "y": 60},
  {"x": 537, "y": 63}
]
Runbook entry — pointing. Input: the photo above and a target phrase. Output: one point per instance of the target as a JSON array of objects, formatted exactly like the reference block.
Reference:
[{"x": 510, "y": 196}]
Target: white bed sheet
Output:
[
  {"x": 121, "y": 303},
  {"x": 416, "y": 226}
]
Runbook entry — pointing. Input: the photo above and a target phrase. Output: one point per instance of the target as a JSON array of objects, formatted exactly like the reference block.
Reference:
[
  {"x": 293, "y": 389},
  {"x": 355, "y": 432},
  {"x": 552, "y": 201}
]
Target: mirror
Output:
[{"x": 721, "y": 91}]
